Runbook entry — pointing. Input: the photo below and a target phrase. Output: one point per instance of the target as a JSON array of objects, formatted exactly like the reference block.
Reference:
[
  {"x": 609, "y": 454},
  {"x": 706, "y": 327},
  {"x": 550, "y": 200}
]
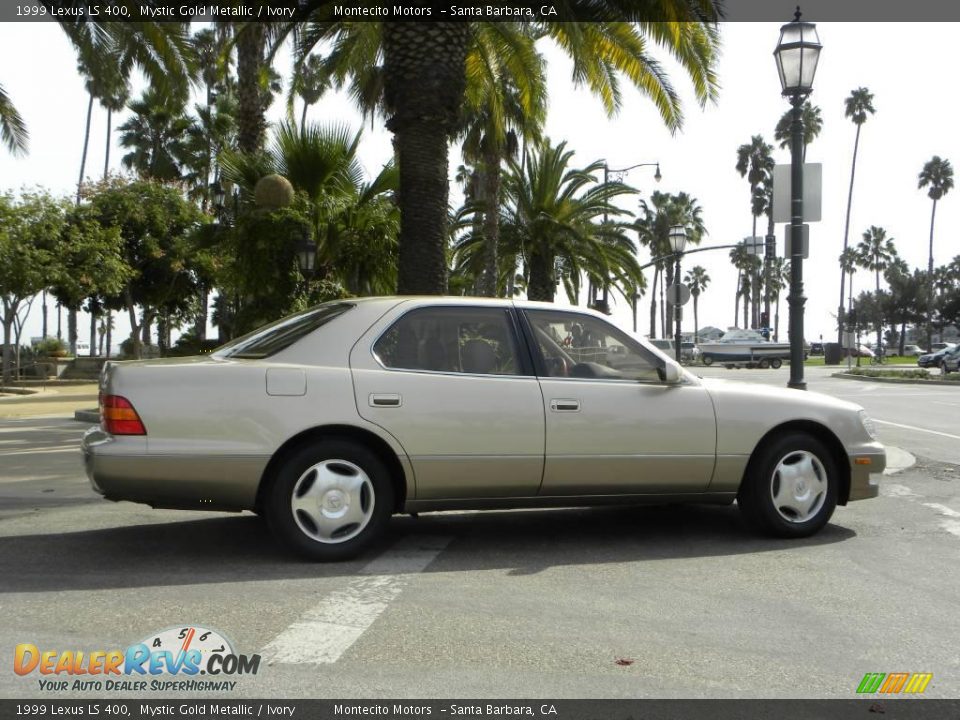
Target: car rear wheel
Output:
[
  {"x": 330, "y": 500},
  {"x": 791, "y": 486},
  {"x": 776, "y": 363}
]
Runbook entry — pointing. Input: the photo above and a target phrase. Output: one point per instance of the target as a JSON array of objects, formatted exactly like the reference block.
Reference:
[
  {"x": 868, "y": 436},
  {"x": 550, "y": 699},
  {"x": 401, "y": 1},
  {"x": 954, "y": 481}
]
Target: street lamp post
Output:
[
  {"x": 592, "y": 290},
  {"x": 797, "y": 54},
  {"x": 678, "y": 242}
]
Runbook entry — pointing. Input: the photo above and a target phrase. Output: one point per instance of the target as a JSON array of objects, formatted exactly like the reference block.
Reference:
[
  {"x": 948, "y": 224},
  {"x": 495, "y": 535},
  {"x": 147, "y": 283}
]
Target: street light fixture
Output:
[
  {"x": 797, "y": 54},
  {"x": 678, "y": 243},
  {"x": 307, "y": 255},
  {"x": 592, "y": 291}
]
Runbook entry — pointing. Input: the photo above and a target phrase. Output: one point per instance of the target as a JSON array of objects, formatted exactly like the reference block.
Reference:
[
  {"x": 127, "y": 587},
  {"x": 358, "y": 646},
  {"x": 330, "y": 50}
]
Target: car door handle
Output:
[
  {"x": 385, "y": 400},
  {"x": 565, "y": 405}
]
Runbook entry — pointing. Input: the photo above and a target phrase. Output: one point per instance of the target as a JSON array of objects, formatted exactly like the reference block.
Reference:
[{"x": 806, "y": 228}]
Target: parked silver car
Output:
[{"x": 330, "y": 421}]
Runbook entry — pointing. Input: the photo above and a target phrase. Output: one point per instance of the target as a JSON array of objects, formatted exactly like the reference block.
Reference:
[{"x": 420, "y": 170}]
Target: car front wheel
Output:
[
  {"x": 330, "y": 500},
  {"x": 790, "y": 489}
]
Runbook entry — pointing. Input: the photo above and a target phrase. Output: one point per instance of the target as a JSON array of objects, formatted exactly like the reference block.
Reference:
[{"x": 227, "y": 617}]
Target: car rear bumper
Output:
[{"x": 121, "y": 468}]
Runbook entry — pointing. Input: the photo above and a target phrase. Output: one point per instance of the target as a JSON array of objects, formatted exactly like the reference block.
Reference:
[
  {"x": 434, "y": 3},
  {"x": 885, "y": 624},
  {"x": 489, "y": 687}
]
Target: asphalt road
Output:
[{"x": 649, "y": 602}]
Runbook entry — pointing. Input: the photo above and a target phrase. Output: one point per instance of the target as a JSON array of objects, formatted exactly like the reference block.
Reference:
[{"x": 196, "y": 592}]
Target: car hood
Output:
[{"x": 769, "y": 395}]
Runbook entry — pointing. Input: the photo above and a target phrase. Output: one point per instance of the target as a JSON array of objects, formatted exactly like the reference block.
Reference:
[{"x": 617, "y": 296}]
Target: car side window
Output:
[
  {"x": 476, "y": 341},
  {"x": 582, "y": 346}
]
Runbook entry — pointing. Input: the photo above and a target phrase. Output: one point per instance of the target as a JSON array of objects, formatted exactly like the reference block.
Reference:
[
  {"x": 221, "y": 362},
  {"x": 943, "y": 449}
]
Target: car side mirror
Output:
[{"x": 671, "y": 373}]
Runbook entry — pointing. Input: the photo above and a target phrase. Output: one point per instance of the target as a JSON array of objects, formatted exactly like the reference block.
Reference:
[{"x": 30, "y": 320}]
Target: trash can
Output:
[{"x": 832, "y": 353}]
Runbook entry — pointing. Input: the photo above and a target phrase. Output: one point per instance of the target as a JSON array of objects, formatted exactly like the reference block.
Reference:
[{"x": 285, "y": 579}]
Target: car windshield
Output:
[{"x": 280, "y": 335}]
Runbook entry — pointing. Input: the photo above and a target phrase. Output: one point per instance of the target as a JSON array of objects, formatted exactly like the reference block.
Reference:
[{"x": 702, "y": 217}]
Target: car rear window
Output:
[{"x": 280, "y": 335}]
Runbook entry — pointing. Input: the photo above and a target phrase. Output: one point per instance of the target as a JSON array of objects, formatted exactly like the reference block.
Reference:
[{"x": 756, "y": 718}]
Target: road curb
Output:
[
  {"x": 87, "y": 416},
  {"x": 894, "y": 381}
]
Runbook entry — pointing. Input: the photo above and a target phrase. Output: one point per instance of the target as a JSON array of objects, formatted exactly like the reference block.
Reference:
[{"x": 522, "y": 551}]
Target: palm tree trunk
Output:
[
  {"x": 491, "y": 224},
  {"x": 109, "y": 322},
  {"x": 846, "y": 232},
  {"x": 423, "y": 196},
  {"x": 72, "y": 312},
  {"x": 879, "y": 316},
  {"x": 933, "y": 215},
  {"x": 736, "y": 302},
  {"x": 776, "y": 320},
  {"x": 93, "y": 331},
  {"x": 755, "y": 289},
  {"x": 303, "y": 116},
  {"x": 696, "y": 321},
  {"x": 542, "y": 283},
  {"x": 424, "y": 72},
  {"x": 670, "y": 280},
  {"x": 106, "y": 155},
  {"x": 250, "y": 116},
  {"x": 86, "y": 144},
  {"x": 653, "y": 302}
]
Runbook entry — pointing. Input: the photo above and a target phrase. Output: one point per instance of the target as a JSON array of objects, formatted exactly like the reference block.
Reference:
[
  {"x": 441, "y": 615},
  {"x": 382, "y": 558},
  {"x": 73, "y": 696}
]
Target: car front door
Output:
[
  {"x": 613, "y": 426},
  {"x": 451, "y": 384}
]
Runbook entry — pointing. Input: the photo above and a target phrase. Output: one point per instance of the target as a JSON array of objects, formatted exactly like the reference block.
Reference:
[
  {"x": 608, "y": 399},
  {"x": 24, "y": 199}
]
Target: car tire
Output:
[
  {"x": 776, "y": 363},
  {"x": 790, "y": 488},
  {"x": 330, "y": 500},
  {"x": 707, "y": 360},
  {"x": 763, "y": 364}
]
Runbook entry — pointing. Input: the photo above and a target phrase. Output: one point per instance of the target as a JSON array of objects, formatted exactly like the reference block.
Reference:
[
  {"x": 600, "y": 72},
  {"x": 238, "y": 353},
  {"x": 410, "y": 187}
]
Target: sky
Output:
[{"x": 904, "y": 65}]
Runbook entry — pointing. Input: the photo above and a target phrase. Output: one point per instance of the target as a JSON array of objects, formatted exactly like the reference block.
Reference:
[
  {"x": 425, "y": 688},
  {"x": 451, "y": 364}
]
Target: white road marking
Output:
[
  {"x": 918, "y": 429},
  {"x": 327, "y": 631},
  {"x": 943, "y": 510},
  {"x": 895, "y": 490}
]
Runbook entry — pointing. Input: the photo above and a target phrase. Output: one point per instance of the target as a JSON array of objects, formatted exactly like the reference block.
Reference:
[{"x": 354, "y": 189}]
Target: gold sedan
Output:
[{"x": 330, "y": 421}]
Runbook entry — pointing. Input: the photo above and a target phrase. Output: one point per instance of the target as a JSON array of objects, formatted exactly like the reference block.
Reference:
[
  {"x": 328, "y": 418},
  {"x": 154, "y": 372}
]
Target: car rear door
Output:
[{"x": 451, "y": 384}]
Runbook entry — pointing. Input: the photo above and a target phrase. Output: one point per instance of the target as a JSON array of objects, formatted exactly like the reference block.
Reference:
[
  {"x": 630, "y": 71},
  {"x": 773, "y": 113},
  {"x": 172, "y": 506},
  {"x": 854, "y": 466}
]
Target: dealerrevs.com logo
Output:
[{"x": 169, "y": 660}]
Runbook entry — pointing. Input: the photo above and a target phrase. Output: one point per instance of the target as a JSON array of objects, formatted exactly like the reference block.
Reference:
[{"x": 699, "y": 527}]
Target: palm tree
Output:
[
  {"x": 424, "y": 81},
  {"x": 875, "y": 252},
  {"x": 812, "y": 125},
  {"x": 697, "y": 280},
  {"x": 155, "y": 135},
  {"x": 13, "y": 131},
  {"x": 506, "y": 97},
  {"x": 310, "y": 81},
  {"x": 556, "y": 211},
  {"x": 857, "y": 107},
  {"x": 849, "y": 262},
  {"x": 653, "y": 229},
  {"x": 779, "y": 279},
  {"x": 937, "y": 173},
  {"x": 740, "y": 259},
  {"x": 755, "y": 162}
]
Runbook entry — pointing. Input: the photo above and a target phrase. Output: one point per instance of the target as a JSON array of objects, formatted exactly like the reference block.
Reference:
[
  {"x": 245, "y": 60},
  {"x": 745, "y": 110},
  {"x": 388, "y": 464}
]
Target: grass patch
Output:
[{"x": 918, "y": 374}]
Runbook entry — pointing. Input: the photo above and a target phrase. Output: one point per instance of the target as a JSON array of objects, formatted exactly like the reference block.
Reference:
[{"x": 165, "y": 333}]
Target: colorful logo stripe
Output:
[{"x": 893, "y": 683}]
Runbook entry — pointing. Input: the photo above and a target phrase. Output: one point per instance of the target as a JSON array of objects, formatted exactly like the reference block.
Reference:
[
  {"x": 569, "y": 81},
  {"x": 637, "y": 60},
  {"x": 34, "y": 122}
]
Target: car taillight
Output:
[{"x": 118, "y": 416}]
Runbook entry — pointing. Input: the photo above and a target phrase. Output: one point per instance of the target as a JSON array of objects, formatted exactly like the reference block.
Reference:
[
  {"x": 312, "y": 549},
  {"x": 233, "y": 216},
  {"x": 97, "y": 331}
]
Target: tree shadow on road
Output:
[{"x": 240, "y": 548}]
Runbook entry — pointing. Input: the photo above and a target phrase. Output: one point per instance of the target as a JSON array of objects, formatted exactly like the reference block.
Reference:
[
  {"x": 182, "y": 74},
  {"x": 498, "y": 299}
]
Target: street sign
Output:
[
  {"x": 812, "y": 192},
  {"x": 804, "y": 243},
  {"x": 678, "y": 294},
  {"x": 754, "y": 245}
]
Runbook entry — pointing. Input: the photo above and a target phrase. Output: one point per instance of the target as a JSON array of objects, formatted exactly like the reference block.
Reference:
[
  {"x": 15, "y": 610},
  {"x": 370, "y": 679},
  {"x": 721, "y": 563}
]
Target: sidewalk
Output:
[{"x": 63, "y": 401}]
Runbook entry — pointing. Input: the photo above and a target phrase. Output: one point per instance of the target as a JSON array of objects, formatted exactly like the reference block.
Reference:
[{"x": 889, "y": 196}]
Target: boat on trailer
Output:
[{"x": 744, "y": 347}]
